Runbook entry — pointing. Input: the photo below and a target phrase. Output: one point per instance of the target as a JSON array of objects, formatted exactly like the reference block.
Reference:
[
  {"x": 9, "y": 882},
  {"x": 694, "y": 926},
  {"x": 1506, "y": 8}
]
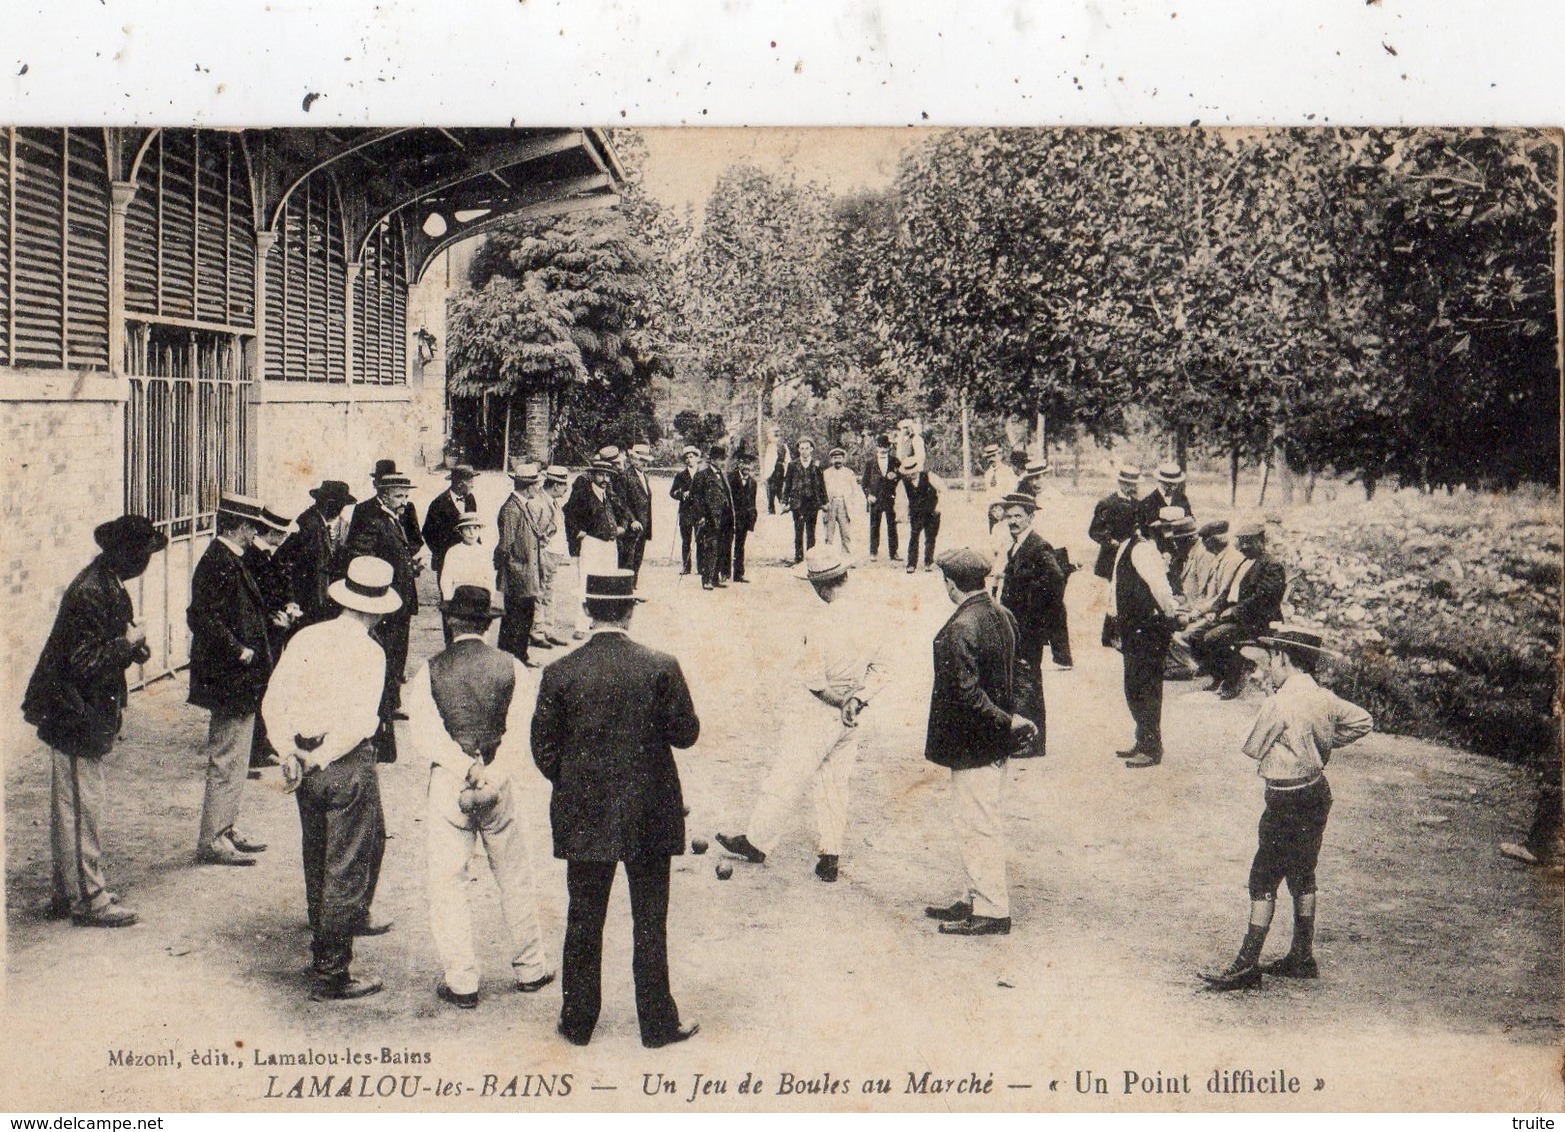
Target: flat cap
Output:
[{"x": 964, "y": 566}]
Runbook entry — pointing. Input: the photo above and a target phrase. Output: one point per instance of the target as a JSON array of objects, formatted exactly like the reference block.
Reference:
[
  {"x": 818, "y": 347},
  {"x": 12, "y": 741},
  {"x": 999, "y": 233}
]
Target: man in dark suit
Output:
[
  {"x": 379, "y": 530},
  {"x": 518, "y": 560},
  {"x": 742, "y": 486},
  {"x": 76, "y": 700},
  {"x": 230, "y": 662},
  {"x": 974, "y": 731},
  {"x": 680, "y": 490},
  {"x": 308, "y": 558},
  {"x": 1032, "y": 588},
  {"x": 592, "y": 527},
  {"x": 282, "y": 612},
  {"x": 440, "y": 533},
  {"x": 1252, "y": 603},
  {"x": 804, "y": 493},
  {"x": 1169, "y": 492},
  {"x": 1144, "y": 604},
  {"x": 714, "y": 520},
  {"x": 775, "y": 462},
  {"x": 923, "y": 511},
  {"x": 880, "y": 497},
  {"x": 607, "y": 718},
  {"x": 409, "y": 513},
  {"x": 1114, "y": 521},
  {"x": 637, "y": 493}
]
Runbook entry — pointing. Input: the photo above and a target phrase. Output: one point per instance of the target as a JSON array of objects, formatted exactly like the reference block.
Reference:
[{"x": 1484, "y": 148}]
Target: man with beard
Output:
[{"x": 1031, "y": 587}]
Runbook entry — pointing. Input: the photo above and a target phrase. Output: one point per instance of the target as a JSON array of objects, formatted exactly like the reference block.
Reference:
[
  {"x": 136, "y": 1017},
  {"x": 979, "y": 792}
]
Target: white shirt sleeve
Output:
[
  {"x": 516, "y": 748},
  {"x": 327, "y": 686},
  {"x": 1154, "y": 572}
]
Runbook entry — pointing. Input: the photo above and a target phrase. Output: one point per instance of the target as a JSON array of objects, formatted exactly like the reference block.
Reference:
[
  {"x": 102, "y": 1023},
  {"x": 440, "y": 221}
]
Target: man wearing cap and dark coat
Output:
[
  {"x": 323, "y": 713},
  {"x": 556, "y": 607},
  {"x": 469, "y": 711},
  {"x": 439, "y": 531},
  {"x": 637, "y": 493},
  {"x": 742, "y": 486},
  {"x": 308, "y": 558},
  {"x": 804, "y": 493},
  {"x": 714, "y": 520},
  {"x": 230, "y": 662},
  {"x": 880, "y": 497},
  {"x": 76, "y": 699},
  {"x": 974, "y": 730},
  {"x": 1144, "y": 608},
  {"x": 923, "y": 511},
  {"x": 1294, "y": 735},
  {"x": 1031, "y": 587},
  {"x": 592, "y": 526},
  {"x": 1253, "y": 601},
  {"x": 607, "y": 718},
  {"x": 517, "y": 554},
  {"x": 775, "y": 462},
  {"x": 689, "y": 511},
  {"x": 1168, "y": 492},
  {"x": 839, "y": 672},
  {"x": 379, "y": 529},
  {"x": 1114, "y": 521}
]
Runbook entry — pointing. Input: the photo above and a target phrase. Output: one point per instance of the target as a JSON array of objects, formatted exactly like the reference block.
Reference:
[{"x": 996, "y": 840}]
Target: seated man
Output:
[{"x": 1252, "y": 603}]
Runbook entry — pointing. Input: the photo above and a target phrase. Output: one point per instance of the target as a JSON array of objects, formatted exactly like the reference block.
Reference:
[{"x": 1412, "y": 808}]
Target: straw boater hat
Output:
[
  {"x": 1037, "y": 467},
  {"x": 471, "y": 603},
  {"x": 461, "y": 472},
  {"x": 556, "y": 473},
  {"x": 1171, "y": 474},
  {"x": 245, "y": 507},
  {"x": 599, "y": 464},
  {"x": 1169, "y": 515},
  {"x": 991, "y": 449},
  {"x": 964, "y": 566},
  {"x": 689, "y": 450},
  {"x": 1182, "y": 529},
  {"x": 823, "y": 564},
  {"x": 609, "y": 453},
  {"x": 1020, "y": 499},
  {"x": 367, "y": 587},
  {"x": 525, "y": 472},
  {"x": 469, "y": 519},
  {"x": 332, "y": 491},
  {"x": 1293, "y": 640},
  {"x": 271, "y": 520},
  {"x": 641, "y": 451},
  {"x": 1129, "y": 473},
  {"x": 386, "y": 475},
  {"x": 127, "y": 533},
  {"x": 614, "y": 585}
]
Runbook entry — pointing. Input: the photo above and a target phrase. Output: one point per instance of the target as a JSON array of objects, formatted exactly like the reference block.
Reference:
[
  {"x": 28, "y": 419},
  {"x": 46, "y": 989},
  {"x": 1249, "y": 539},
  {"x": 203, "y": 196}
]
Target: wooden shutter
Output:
[
  {"x": 241, "y": 238},
  {"x": 397, "y": 328},
  {"x": 141, "y": 236},
  {"x": 177, "y": 224},
  {"x": 38, "y": 243},
  {"x": 5, "y": 246},
  {"x": 276, "y": 308},
  {"x": 86, "y": 250},
  {"x": 210, "y": 160}
]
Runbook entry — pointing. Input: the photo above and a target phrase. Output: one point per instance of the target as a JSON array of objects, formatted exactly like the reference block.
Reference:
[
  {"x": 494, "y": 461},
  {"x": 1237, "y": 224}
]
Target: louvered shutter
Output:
[
  {"x": 87, "y": 250},
  {"x": 38, "y": 240},
  {"x": 141, "y": 236},
  {"x": 5, "y": 246},
  {"x": 241, "y": 238},
  {"x": 210, "y": 154},
  {"x": 397, "y": 330},
  {"x": 177, "y": 224},
  {"x": 276, "y": 308}
]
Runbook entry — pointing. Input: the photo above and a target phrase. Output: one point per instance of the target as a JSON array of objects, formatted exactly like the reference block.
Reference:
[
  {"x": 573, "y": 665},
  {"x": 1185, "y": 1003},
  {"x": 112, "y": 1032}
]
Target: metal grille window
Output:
[
  {"x": 188, "y": 428},
  {"x": 306, "y": 288},
  {"x": 54, "y": 249},
  {"x": 380, "y": 308},
  {"x": 190, "y": 231}
]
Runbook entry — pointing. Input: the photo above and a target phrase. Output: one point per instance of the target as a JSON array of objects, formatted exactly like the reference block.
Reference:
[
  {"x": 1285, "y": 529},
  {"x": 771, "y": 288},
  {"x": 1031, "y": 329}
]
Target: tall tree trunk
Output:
[
  {"x": 1284, "y": 470},
  {"x": 760, "y": 421},
  {"x": 1182, "y": 446},
  {"x": 967, "y": 450},
  {"x": 505, "y": 440},
  {"x": 537, "y": 431},
  {"x": 1266, "y": 475},
  {"x": 1233, "y": 477},
  {"x": 1076, "y": 464}
]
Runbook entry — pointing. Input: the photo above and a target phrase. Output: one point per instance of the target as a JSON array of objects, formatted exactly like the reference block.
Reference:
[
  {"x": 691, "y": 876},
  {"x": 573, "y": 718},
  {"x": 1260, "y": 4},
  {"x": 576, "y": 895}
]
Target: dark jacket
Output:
[
  {"x": 971, "y": 703},
  {"x": 1032, "y": 589},
  {"x": 1113, "y": 521},
  {"x": 77, "y": 692},
  {"x": 272, "y": 581},
  {"x": 880, "y": 489},
  {"x": 1260, "y": 596},
  {"x": 586, "y": 514},
  {"x": 638, "y": 500},
  {"x": 743, "y": 491},
  {"x": 226, "y": 615},
  {"x": 923, "y": 497},
  {"x": 518, "y": 553},
  {"x": 375, "y": 532},
  {"x": 680, "y": 490},
  {"x": 305, "y": 560},
  {"x": 714, "y": 502},
  {"x": 805, "y": 488},
  {"x": 607, "y": 718},
  {"x": 1154, "y": 501},
  {"x": 440, "y": 533}
]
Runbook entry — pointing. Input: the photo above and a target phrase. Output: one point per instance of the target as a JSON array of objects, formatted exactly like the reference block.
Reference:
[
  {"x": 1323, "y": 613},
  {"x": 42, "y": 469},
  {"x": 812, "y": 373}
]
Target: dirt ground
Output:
[{"x": 1440, "y": 960}]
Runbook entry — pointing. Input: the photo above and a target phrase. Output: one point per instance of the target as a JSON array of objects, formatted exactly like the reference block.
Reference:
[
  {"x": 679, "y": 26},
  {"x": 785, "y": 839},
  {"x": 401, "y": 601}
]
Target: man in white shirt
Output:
[
  {"x": 839, "y": 489},
  {"x": 839, "y": 673},
  {"x": 469, "y": 712},
  {"x": 322, "y": 709}
]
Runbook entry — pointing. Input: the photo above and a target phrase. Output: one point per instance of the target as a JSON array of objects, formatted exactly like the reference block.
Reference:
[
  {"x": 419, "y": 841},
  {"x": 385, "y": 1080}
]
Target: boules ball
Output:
[
  {"x": 698, "y": 846},
  {"x": 724, "y": 870}
]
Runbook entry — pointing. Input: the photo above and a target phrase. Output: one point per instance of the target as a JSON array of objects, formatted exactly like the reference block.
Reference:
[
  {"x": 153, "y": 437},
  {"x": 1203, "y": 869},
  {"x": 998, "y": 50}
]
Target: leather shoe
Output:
[
  {"x": 951, "y": 913},
  {"x": 706, "y": 585},
  {"x": 677, "y": 1034},
  {"x": 574, "y": 1039},
  {"x": 558, "y": 643},
  {"x": 1291, "y": 966},
  {"x": 739, "y": 845},
  {"x": 532, "y": 986},
  {"x": 978, "y": 925},
  {"x": 1239, "y": 976},
  {"x": 221, "y": 853},
  {"x": 1142, "y": 761},
  {"x": 1129, "y": 753},
  {"x": 340, "y": 990},
  {"x": 112, "y": 916},
  {"x": 374, "y": 926},
  {"x": 244, "y": 844},
  {"x": 460, "y": 1001},
  {"x": 826, "y": 867}
]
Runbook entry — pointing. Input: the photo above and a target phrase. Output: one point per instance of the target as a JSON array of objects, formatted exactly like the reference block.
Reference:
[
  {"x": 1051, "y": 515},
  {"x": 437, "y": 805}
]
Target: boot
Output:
[
  {"x": 1299, "y": 963},
  {"x": 739, "y": 845},
  {"x": 826, "y": 867},
  {"x": 1243, "y": 973}
]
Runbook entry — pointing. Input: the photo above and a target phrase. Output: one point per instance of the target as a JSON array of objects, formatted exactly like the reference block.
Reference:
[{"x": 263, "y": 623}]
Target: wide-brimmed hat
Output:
[
  {"x": 129, "y": 533},
  {"x": 471, "y": 603},
  {"x": 1020, "y": 499},
  {"x": 333, "y": 491},
  {"x": 556, "y": 473},
  {"x": 525, "y": 471},
  {"x": 964, "y": 566},
  {"x": 1129, "y": 473},
  {"x": 1171, "y": 474},
  {"x": 469, "y": 519},
  {"x": 717, "y": 452},
  {"x": 274, "y": 520},
  {"x": 824, "y": 563},
  {"x": 613, "y": 585},
  {"x": 367, "y": 587},
  {"x": 235, "y": 506},
  {"x": 1215, "y": 527},
  {"x": 461, "y": 472},
  {"x": 1294, "y": 640}
]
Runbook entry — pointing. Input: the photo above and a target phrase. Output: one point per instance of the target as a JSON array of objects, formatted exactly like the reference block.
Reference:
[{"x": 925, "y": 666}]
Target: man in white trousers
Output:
[
  {"x": 839, "y": 673},
  {"x": 469, "y": 712}
]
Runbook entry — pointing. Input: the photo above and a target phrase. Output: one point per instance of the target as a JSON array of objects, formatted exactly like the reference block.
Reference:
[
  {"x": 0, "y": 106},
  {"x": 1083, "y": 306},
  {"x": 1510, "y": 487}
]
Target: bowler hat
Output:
[
  {"x": 1253, "y": 528},
  {"x": 823, "y": 563},
  {"x": 462, "y": 472},
  {"x": 1021, "y": 499},
  {"x": 613, "y": 585},
  {"x": 964, "y": 566},
  {"x": 129, "y": 533},
  {"x": 386, "y": 475},
  {"x": 716, "y": 452},
  {"x": 366, "y": 587},
  {"x": 470, "y": 603},
  {"x": 332, "y": 491}
]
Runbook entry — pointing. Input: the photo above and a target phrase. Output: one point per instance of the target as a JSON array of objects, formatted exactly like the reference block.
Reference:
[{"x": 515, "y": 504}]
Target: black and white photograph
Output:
[{"x": 593, "y": 617}]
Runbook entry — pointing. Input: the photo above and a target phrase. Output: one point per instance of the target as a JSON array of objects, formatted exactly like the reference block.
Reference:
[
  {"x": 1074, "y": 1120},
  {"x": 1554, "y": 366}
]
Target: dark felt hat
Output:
[
  {"x": 471, "y": 603},
  {"x": 615, "y": 585},
  {"x": 129, "y": 533},
  {"x": 332, "y": 491}
]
